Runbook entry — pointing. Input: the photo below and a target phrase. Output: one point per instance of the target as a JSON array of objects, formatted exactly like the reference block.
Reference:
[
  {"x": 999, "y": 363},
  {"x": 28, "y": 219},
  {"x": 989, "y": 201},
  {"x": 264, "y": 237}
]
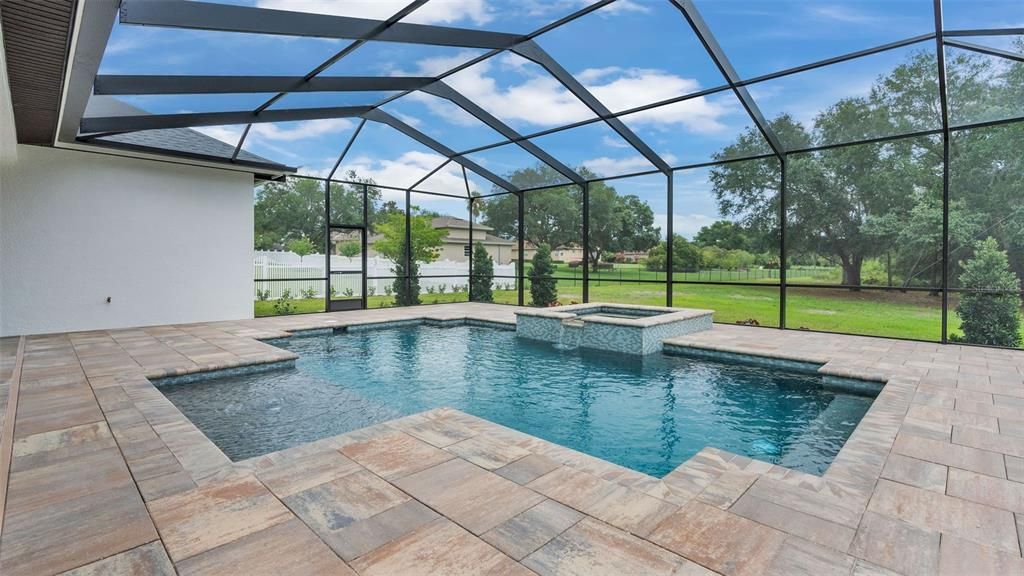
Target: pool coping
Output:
[
  {"x": 824, "y": 367},
  {"x": 664, "y": 314},
  {"x": 917, "y": 402},
  {"x": 800, "y": 362}
]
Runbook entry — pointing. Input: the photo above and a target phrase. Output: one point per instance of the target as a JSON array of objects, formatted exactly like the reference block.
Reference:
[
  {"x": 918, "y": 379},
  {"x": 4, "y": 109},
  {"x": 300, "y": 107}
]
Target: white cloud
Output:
[
  {"x": 528, "y": 95},
  {"x": 764, "y": 91},
  {"x": 605, "y": 166},
  {"x": 320, "y": 171},
  {"x": 279, "y": 139},
  {"x": 541, "y": 8},
  {"x": 626, "y": 89},
  {"x": 547, "y": 7},
  {"x": 448, "y": 180},
  {"x": 268, "y": 133},
  {"x": 228, "y": 134},
  {"x": 122, "y": 45},
  {"x": 686, "y": 225},
  {"x": 623, "y": 6},
  {"x": 436, "y": 12},
  {"x": 444, "y": 109},
  {"x": 592, "y": 75},
  {"x": 842, "y": 14},
  {"x": 613, "y": 142},
  {"x": 410, "y": 120},
  {"x": 439, "y": 64},
  {"x": 537, "y": 99},
  {"x": 401, "y": 172}
]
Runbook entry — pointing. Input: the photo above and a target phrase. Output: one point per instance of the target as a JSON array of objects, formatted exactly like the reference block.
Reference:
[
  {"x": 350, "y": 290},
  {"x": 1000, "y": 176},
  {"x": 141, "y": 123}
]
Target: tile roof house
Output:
[{"x": 453, "y": 246}]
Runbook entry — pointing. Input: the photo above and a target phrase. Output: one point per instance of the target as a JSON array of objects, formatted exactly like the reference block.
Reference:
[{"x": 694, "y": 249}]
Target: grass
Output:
[
  {"x": 916, "y": 315},
  {"x": 631, "y": 272},
  {"x": 912, "y": 315}
]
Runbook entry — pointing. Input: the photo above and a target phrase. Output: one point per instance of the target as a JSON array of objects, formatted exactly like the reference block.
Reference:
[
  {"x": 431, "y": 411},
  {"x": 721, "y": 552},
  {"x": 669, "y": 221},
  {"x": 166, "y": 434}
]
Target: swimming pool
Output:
[{"x": 649, "y": 413}]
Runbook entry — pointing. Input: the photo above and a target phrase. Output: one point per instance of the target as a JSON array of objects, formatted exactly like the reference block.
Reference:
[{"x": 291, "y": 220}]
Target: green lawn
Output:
[
  {"x": 914, "y": 315},
  {"x": 629, "y": 272}
]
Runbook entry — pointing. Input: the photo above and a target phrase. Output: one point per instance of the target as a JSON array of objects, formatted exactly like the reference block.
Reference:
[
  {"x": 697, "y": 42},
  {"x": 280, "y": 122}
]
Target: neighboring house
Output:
[
  {"x": 630, "y": 256},
  {"x": 560, "y": 254},
  {"x": 453, "y": 247}
]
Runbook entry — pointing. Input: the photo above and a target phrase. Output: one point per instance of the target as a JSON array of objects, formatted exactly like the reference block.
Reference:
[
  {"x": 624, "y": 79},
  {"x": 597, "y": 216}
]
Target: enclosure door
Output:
[{"x": 346, "y": 269}]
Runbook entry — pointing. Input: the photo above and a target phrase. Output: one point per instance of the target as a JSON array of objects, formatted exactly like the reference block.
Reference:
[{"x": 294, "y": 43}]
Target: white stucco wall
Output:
[{"x": 167, "y": 243}]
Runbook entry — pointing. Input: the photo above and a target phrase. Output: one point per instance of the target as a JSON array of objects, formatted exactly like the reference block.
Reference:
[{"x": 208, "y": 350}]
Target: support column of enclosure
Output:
[
  {"x": 669, "y": 268},
  {"x": 782, "y": 242},
  {"x": 469, "y": 287},
  {"x": 940, "y": 58},
  {"x": 521, "y": 272},
  {"x": 586, "y": 241},
  {"x": 327, "y": 245}
]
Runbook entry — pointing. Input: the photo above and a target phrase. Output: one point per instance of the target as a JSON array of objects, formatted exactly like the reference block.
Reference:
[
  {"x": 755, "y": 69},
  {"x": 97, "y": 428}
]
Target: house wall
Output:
[
  {"x": 168, "y": 243},
  {"x": 453, "y": 249},
  {"x": 558, "y": 254}
]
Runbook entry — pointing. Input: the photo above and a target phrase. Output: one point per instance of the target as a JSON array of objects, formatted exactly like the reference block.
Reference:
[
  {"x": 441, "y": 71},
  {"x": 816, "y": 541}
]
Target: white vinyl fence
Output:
[{"x": 303, "y": 276}]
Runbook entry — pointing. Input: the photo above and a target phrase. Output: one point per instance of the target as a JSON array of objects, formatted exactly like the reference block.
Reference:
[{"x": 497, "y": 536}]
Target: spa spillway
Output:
[{"x": 629, "y": 329}]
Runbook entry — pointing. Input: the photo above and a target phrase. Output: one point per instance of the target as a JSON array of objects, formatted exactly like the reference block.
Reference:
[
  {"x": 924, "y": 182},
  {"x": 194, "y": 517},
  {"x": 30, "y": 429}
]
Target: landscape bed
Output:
[{"x": 649, "y": 413}]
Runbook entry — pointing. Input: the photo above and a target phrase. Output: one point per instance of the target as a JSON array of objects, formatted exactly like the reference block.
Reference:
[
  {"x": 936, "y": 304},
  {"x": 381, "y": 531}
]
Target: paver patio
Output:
[{"x": 107, "y": 476}]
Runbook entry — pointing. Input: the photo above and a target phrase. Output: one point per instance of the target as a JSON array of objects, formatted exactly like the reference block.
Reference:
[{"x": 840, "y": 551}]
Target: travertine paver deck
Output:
[{"x": 107, "y": 476}]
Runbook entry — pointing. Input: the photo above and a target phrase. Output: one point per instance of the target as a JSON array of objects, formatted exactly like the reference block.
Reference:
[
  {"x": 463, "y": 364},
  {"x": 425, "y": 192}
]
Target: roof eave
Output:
[{"x": 261, "y": 170}]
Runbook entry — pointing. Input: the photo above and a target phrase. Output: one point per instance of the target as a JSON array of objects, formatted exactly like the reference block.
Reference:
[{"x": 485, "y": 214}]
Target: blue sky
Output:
[{"x": 629, "y": 54}]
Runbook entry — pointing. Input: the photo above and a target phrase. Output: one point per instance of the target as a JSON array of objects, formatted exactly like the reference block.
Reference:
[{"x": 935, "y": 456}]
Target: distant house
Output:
[
  {"x": 454, "y": 245},
  {"x": 630, "y": 256},
  {"x": 566, "y": 253}
]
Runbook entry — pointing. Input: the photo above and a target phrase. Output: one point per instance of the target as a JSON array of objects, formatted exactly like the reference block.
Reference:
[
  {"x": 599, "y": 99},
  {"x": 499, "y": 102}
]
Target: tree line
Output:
[{"x": 855, "y": 207}]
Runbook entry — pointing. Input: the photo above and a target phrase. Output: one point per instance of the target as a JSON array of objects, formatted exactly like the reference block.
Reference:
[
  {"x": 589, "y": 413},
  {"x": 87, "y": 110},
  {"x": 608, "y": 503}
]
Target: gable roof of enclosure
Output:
[{"x": 247, "y": 105}]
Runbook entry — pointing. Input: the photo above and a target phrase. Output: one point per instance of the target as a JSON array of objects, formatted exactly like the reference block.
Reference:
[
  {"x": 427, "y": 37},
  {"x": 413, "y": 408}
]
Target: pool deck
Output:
[{"x": 106, "y": 476}]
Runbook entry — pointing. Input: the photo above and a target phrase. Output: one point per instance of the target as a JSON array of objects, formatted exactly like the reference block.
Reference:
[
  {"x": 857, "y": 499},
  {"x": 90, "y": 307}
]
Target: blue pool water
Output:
[{"x": 647, "y": 413}]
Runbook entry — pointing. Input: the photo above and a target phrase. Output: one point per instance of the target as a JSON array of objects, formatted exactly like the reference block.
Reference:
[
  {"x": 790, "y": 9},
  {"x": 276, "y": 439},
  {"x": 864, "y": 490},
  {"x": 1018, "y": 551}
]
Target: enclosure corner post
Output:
[
  {"x": 782, "y": 242},
  {"x": 586, "y": 241},
  {"x": 669, "y": 268},
  {"x": 327, "y": 245},
  {"x": 940, "y": 59},
  {"x": 521, "y": 268}
]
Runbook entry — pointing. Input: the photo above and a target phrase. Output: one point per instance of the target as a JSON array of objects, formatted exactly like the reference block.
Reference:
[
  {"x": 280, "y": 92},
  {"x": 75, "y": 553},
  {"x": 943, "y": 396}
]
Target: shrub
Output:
[
  {"x": 263, "y": 295},
  {"x": 370, "y": 290},
  {"x": 873, "y": 273},
  {"x": 348, "y": 292},
  {"x": 543, "y": 288},
  {"x": 285, "y": 305},
  {"x": 407, "y": 281},
  {"x": 442, "y": 288},
  {"x": 350, "y": 249},
  {"x": 685, "y": 256},
  {"x": 737, "y": 259},
  {"x": 309, "y": 293},
  {"x": 992, "y": 319},
  {"x": 483, "y": 275},
  {"x": 302, "y": 247},
  {"x": 389, "y": 289}
]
